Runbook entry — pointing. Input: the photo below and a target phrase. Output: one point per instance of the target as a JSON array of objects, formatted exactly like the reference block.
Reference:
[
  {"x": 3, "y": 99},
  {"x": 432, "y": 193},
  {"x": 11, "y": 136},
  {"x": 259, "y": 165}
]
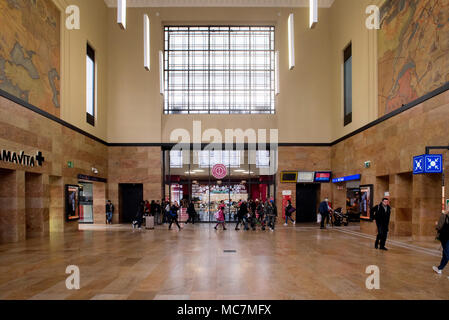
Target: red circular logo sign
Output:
[{"x": 219, "y": 171}]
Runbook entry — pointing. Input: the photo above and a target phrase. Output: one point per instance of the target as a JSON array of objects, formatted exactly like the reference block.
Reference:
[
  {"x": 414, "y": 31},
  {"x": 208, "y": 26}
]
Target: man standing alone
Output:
[
  {"x": 324, "y": 211},
  {"x": 109, "y": 212},
  {"x": 382, "y": 215}
]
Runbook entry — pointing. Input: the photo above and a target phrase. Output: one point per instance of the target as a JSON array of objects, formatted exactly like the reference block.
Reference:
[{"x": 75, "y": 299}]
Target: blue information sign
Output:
[
  {"x": 428, "y": 163},
  {"x": 348, "y": 178},
  {"x": 418, "y": 164},
  {"x": 434, "y": 163}
]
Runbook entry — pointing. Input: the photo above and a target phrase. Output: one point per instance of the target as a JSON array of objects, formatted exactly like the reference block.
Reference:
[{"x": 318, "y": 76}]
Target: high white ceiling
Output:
[{"x": 220, "y": 3}]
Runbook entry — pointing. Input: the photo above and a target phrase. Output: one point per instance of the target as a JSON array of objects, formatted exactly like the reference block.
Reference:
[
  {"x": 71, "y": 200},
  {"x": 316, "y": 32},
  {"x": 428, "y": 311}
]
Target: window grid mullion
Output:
[{"x": 255, "y": 63}]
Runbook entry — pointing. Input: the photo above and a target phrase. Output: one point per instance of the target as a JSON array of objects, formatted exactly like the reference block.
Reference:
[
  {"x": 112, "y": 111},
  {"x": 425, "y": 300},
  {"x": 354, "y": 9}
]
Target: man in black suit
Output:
[{"x": 382, "y": 216}]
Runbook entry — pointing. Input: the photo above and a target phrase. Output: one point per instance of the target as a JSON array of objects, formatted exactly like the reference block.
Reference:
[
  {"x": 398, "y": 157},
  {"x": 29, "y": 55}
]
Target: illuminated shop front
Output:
[{"x": 190, "y": 176}]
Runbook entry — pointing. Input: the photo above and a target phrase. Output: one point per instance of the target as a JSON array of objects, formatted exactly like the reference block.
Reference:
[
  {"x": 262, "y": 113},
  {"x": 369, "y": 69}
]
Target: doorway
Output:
[
  {"x": 306, "y": 202},
  {"x": 130, "y": 195}
]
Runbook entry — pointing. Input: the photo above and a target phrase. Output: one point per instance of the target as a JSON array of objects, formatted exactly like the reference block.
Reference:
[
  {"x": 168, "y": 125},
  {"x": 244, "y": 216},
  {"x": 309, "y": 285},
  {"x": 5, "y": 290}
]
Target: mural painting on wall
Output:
[
  {"x": 30, "y": 52},
  {"x": 413, "y": 50}
]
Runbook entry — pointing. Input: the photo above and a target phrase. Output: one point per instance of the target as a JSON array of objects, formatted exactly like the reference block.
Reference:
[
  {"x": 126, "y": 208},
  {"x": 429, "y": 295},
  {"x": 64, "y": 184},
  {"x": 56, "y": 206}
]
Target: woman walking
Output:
[
  {"x": 220, "y": 216},
  {"x": 174, "y": 215},
  {"x": 443, "y": 236},
  {"x": 288, "y": 213}
]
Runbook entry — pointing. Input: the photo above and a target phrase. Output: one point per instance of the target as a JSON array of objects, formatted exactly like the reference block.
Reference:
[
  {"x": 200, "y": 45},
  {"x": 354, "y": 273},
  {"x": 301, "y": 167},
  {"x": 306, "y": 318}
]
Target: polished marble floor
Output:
[{"x": 299, "y": 262}]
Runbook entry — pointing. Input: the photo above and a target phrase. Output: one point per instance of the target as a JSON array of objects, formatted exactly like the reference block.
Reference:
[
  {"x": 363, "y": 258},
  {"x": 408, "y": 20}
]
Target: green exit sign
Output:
[{"x": 70, "y": 164}]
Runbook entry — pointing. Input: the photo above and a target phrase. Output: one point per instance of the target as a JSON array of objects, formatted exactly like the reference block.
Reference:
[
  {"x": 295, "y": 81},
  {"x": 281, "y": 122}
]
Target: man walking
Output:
[
  {"x": 271, "y": 214},
  {"x": 382, "y": 216},
  {"x": 324, "y": 211}
]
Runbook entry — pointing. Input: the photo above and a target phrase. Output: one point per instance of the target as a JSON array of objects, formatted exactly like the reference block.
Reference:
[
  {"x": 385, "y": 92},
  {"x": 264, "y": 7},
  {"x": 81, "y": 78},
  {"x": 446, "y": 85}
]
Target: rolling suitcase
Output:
[{"x": 149, "y": 222}]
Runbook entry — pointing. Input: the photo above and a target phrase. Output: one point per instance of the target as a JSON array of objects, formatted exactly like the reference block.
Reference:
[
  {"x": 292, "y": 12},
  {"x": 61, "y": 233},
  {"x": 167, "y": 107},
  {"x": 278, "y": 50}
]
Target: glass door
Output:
[{"x": 86, "y": 203}]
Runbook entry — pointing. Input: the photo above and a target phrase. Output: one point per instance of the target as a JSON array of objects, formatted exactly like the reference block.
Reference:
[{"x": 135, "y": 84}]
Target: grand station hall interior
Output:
[{"x": 224, "y": 150}]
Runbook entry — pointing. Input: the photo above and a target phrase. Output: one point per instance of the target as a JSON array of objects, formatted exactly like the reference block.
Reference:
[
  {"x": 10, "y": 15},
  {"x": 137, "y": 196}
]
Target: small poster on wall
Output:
[{"x": 72, "y": 202}]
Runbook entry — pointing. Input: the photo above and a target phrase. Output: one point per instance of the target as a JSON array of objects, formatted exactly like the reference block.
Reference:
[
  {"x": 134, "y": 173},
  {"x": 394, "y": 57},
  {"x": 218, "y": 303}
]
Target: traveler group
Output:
[{"x": 256, "y": 213}]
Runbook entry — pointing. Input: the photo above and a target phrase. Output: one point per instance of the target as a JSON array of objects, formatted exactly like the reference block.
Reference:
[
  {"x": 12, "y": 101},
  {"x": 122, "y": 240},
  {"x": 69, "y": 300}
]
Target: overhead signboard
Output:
[
  {"x": 323, "y": 177},
  {"x": 347, "y": 178},
  {"x": 289, "y": 176},
  {"x": 428, "y": 163},
  {"x": 306, "y": 177}
]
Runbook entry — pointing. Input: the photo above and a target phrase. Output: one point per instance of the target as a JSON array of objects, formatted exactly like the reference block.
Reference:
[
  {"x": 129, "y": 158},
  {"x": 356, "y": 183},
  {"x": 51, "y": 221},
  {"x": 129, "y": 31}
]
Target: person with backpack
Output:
[
  {"x": 173, "y": 215},
  {"x": 382, "y": 214},
  {"x": 271, "y": 215},
  {"x": 288, "y": 213},
  {"x": 443, "y": 237}
]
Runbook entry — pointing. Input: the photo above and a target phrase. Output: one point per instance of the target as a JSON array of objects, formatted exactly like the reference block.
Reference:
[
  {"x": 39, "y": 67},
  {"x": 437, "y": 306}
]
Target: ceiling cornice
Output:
[{"x": 220, "y": 3}]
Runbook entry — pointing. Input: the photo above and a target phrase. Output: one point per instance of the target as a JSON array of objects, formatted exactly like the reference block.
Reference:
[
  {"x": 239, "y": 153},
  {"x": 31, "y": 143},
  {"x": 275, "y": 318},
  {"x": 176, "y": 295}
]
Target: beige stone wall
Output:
[
  {"x": 135, "y": 111},
  {"x": 140, "y": 165},
  {"x": 93, "y": 30},
  {"x": 301, "y": 159},
  {"x": 37, "y": 193},
  {"x": 390, "y": 146}
]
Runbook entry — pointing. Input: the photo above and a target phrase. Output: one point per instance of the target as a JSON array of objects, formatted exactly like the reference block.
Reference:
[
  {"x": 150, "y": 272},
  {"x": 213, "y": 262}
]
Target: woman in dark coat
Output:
[
  {"x": 174, "y": 215},
  {"x": 191, "y": 212}
]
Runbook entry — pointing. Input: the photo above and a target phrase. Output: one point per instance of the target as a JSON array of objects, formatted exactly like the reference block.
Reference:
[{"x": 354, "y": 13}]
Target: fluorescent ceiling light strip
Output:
[
  {"x": 291, "y": 41},
  {"x": 313, "y": 7},
  {"x": 121, "y": 13},
  {"x": 161, "y": 72},
  {"x": 146, "y": 41},
  {"x": 277, "y": 74}
]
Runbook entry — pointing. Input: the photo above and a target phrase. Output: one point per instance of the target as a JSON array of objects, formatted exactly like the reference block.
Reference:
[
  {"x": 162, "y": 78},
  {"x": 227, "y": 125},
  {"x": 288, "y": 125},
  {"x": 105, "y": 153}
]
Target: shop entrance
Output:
[
  {"x": 306, "y": 202},
  {"x": 189, "y": 177},
  {"x": 130, "y": 195}
]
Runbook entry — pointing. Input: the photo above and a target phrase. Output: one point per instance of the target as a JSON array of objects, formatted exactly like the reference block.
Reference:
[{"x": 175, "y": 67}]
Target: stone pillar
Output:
[
  {"x": 113, "y": 195},
  {"x": 12, "y": 206},
  {"x": 426, "y": 205},
  {"x": 36, "y": 203},
  {"x": 401, "y": 200},
  {"x": 99, "y": 194},
  {"x": 56, "y": 205}
]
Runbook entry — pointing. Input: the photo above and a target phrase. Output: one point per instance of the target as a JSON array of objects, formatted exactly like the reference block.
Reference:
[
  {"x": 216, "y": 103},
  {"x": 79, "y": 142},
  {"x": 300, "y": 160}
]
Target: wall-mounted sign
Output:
[
  {"x": 70, "y": 164},
  {"x": 286, "y": 192},
  {"x": 20, "y": 158},
  {"x": 428, "y": 163},
  {"x": 289, "y": 176},
  {"x": 348, "y": 178},
  {"x": 72, "y": 202},
  {"x": 219, "y": 171},
  {"x": 324, "y": 176},
  {"x": 306, "y": 177},
  {"x": 90, "y": 178}
]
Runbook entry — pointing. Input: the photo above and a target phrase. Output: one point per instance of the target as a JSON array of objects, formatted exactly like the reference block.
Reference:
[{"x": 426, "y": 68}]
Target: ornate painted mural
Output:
[
  {"x": 413, "y": 50},
  {"x": 30, "y": 52}
]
